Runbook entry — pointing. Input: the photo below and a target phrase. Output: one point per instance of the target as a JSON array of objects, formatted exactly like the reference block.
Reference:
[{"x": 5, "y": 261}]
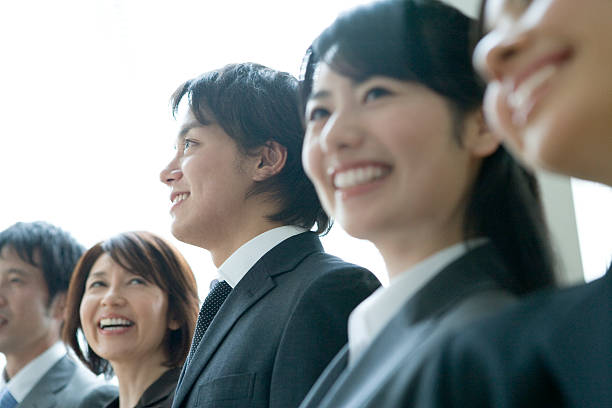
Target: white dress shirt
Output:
[
  {"x": 373, "y": 314},
  {"x": 24, "y": 381},
  {"x": 242, "y": 260}
]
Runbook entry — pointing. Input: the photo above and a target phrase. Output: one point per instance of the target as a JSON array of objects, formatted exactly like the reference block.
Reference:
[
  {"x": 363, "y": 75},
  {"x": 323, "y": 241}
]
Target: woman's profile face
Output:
[
  {"x": 382, "y": 156},
  {"x": 123, "y": 315},
  {"x": 549, "y": 95}
]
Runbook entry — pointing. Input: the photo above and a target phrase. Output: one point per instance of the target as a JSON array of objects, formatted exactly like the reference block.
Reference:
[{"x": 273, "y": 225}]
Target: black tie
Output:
[{"x": 215, "y": 298}]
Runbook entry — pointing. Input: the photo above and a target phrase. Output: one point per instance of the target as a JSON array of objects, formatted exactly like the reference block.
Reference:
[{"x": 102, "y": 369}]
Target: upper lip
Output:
[{"x": 551, "y": 58}]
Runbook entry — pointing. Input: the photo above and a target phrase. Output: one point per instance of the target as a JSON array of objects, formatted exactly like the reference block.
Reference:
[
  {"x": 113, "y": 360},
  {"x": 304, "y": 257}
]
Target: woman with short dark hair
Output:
[{"x": 135, "y": 299}]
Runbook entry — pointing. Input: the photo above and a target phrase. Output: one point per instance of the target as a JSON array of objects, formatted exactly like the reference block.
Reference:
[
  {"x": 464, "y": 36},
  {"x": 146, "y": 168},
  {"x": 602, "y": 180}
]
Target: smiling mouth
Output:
[
  {"x": 114, "y": 324},
  {"x": 179, "y": 198},
  {"x": 358, "y": 176}
]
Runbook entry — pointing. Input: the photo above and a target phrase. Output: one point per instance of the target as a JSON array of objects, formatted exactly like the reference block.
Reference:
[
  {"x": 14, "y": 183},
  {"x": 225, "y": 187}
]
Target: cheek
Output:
[
  {"x": 86, "y": 315},
  {"x": 312, "y": 160}
]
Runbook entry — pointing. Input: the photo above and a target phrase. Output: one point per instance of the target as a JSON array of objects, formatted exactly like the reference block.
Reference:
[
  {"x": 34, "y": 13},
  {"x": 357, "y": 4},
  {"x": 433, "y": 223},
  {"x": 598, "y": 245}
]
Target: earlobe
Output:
[
  {"x": 271, "y": 160},
  {"x": 173, "y": 324},
  {"x": 478, "y": 137}
]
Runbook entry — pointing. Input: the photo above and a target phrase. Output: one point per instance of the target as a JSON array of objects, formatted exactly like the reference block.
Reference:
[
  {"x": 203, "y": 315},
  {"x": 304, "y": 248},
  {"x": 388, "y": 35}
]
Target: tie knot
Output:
[{"x": 7, "y": 400}]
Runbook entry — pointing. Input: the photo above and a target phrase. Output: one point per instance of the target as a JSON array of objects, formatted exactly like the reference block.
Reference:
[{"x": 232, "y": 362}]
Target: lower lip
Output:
[
  {"x": 174, "y": 206},
  {"x": 359, "y": 190},
  {"x": 521, "y": 116},
  {"x": 112, "y": 332}
]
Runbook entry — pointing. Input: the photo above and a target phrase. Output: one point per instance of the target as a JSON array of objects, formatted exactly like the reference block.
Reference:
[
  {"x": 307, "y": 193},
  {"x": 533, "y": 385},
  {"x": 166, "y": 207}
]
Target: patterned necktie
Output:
[
  {"x": 215, "y": 298},
  {"x": 7, "y": 400}
]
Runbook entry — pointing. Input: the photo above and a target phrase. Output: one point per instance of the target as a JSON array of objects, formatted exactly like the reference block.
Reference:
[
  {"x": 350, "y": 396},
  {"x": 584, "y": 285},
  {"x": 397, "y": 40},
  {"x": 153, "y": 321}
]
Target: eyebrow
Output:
[
  {"x": 16, "y": 271},
  {"x": 96, "y": 274},
  {"x": 319, "y": 95},
  {"x": 187, "y": 127}
]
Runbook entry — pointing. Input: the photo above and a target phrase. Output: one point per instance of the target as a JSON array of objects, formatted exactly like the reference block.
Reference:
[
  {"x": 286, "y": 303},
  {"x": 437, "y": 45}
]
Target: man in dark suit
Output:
[
  {"x": 36, "y": 262},
  {"x": 239, "y": 191}
]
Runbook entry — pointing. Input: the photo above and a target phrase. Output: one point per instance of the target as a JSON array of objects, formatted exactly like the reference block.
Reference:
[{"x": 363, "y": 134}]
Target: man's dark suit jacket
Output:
[
  {"x": 554, "y": 350},
  {"x": 277, "y": 330},
  {"x": 466, "y": 289}
]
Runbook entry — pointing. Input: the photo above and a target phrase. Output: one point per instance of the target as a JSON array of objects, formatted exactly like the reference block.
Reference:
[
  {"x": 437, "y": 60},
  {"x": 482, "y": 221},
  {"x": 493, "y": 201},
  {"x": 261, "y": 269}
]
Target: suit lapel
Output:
[
  {"x": 327, "y": 379},
  {"x": 43, "y": 395},
  {"x": 251, "y": 288},
  {"x": 416, "y": 322}
]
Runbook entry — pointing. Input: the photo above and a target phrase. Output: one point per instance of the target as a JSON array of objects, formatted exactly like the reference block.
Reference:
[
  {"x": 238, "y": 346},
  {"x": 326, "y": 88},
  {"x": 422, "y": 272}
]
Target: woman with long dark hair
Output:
[
  {"x": 400, "y": 155},
  {"x": 549, "y": 97}
]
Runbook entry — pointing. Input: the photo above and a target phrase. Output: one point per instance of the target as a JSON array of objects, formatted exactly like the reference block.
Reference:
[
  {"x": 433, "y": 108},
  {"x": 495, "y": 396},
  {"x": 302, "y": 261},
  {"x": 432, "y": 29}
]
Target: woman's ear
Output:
[
  {"x": 477, "y": 137},
  {"x": 271, "y": 160}
]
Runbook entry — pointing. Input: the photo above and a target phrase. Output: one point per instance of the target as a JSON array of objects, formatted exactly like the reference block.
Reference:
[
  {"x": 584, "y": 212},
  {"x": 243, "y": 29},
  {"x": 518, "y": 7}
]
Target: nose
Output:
[
  {"x": 496, "y": 53},
  {"x": 113, "y": 297},
  {"x": 343, "y": 130},
  {"x": 171, "y": 172}
]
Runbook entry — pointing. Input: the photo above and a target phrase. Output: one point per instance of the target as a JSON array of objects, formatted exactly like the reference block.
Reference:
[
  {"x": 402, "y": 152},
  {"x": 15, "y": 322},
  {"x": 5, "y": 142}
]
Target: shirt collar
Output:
[
  {"x": 371, "y": 316},
  {"x": 244, "y": 258},
  {"x": 24, "y": 381}
]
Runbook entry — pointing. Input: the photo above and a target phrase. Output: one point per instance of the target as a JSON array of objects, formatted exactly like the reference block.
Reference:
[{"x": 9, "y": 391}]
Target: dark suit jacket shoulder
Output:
[
  {"x": 465, "y": 290},
  {"x": 66, "y": 385},
  {"x": 277, "y": 330},
  {"x": 554, "y": 349}
]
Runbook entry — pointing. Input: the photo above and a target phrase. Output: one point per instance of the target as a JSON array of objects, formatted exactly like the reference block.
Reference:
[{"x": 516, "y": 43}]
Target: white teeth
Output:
[
  {"x": 522, "y": 94},
  {"x": 104, "y": 323},
  {"x": 179, "y": 197},
  {"x": 357, "y": 176}
]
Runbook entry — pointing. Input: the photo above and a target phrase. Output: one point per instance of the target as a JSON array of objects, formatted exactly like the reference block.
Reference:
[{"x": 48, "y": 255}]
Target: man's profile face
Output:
[
  {"x": 209, "y": 179},
  {"x": 26, "y": 322}
]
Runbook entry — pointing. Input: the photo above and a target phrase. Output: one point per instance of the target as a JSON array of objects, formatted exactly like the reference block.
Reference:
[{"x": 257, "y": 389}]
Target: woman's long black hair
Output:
[{"x": 429, "y": 42}]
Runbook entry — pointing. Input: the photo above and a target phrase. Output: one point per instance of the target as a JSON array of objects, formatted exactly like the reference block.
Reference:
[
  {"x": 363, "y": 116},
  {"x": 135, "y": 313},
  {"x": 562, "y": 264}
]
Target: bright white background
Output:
[{"x": 85, "y": 126}]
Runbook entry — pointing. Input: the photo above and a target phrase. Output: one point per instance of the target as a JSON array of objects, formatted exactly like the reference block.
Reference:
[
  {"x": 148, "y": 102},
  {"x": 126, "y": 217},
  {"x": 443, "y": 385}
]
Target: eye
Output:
[
  {"x": 137, "y": 281},
  {"x": 188, "y": 143},
  {"x": 16, "y": 280},
  {"x": 375, "y": 93},
  {"x": 317, "y": 114},
  {"x": 96, "y": 284}
]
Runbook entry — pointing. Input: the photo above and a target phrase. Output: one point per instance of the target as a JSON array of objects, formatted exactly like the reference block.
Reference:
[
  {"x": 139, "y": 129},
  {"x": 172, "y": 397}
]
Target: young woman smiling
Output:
[{"x": 399, "y": 153}]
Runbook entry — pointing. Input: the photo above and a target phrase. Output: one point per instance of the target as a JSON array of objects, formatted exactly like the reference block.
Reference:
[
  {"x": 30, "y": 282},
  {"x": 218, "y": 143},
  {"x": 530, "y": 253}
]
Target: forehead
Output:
[
  {"x": 325, "y": 78},
  {"x": 11, "y": 261}
]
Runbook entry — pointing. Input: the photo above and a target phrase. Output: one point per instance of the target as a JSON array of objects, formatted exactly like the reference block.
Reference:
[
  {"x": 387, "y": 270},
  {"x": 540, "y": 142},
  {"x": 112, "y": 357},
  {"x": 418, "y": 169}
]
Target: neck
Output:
[
  {"x": 135, "y": 377},
  {"x": 403, "y": 250},
  {"x": 15, "y": 362},
  {"x": 224, "y": 250}
]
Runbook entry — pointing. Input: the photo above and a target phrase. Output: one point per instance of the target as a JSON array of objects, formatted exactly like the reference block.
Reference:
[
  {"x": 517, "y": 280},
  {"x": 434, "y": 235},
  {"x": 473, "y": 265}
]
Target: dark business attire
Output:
[
  {"x": 277, "y": 330},
  {"x": 159, "y": 394},
  {"x": 464, "y": 290},
  {"x": 553, "y": 350}
]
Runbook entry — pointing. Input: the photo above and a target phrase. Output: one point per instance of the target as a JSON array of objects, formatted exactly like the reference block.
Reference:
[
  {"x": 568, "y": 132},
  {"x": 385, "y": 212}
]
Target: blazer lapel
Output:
[
  {"x": 479, "y": 270},
  {"x": 44, "y": 392},
  {"x": 251, "y": 288},
  {"x": 327, "y": 379}
]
